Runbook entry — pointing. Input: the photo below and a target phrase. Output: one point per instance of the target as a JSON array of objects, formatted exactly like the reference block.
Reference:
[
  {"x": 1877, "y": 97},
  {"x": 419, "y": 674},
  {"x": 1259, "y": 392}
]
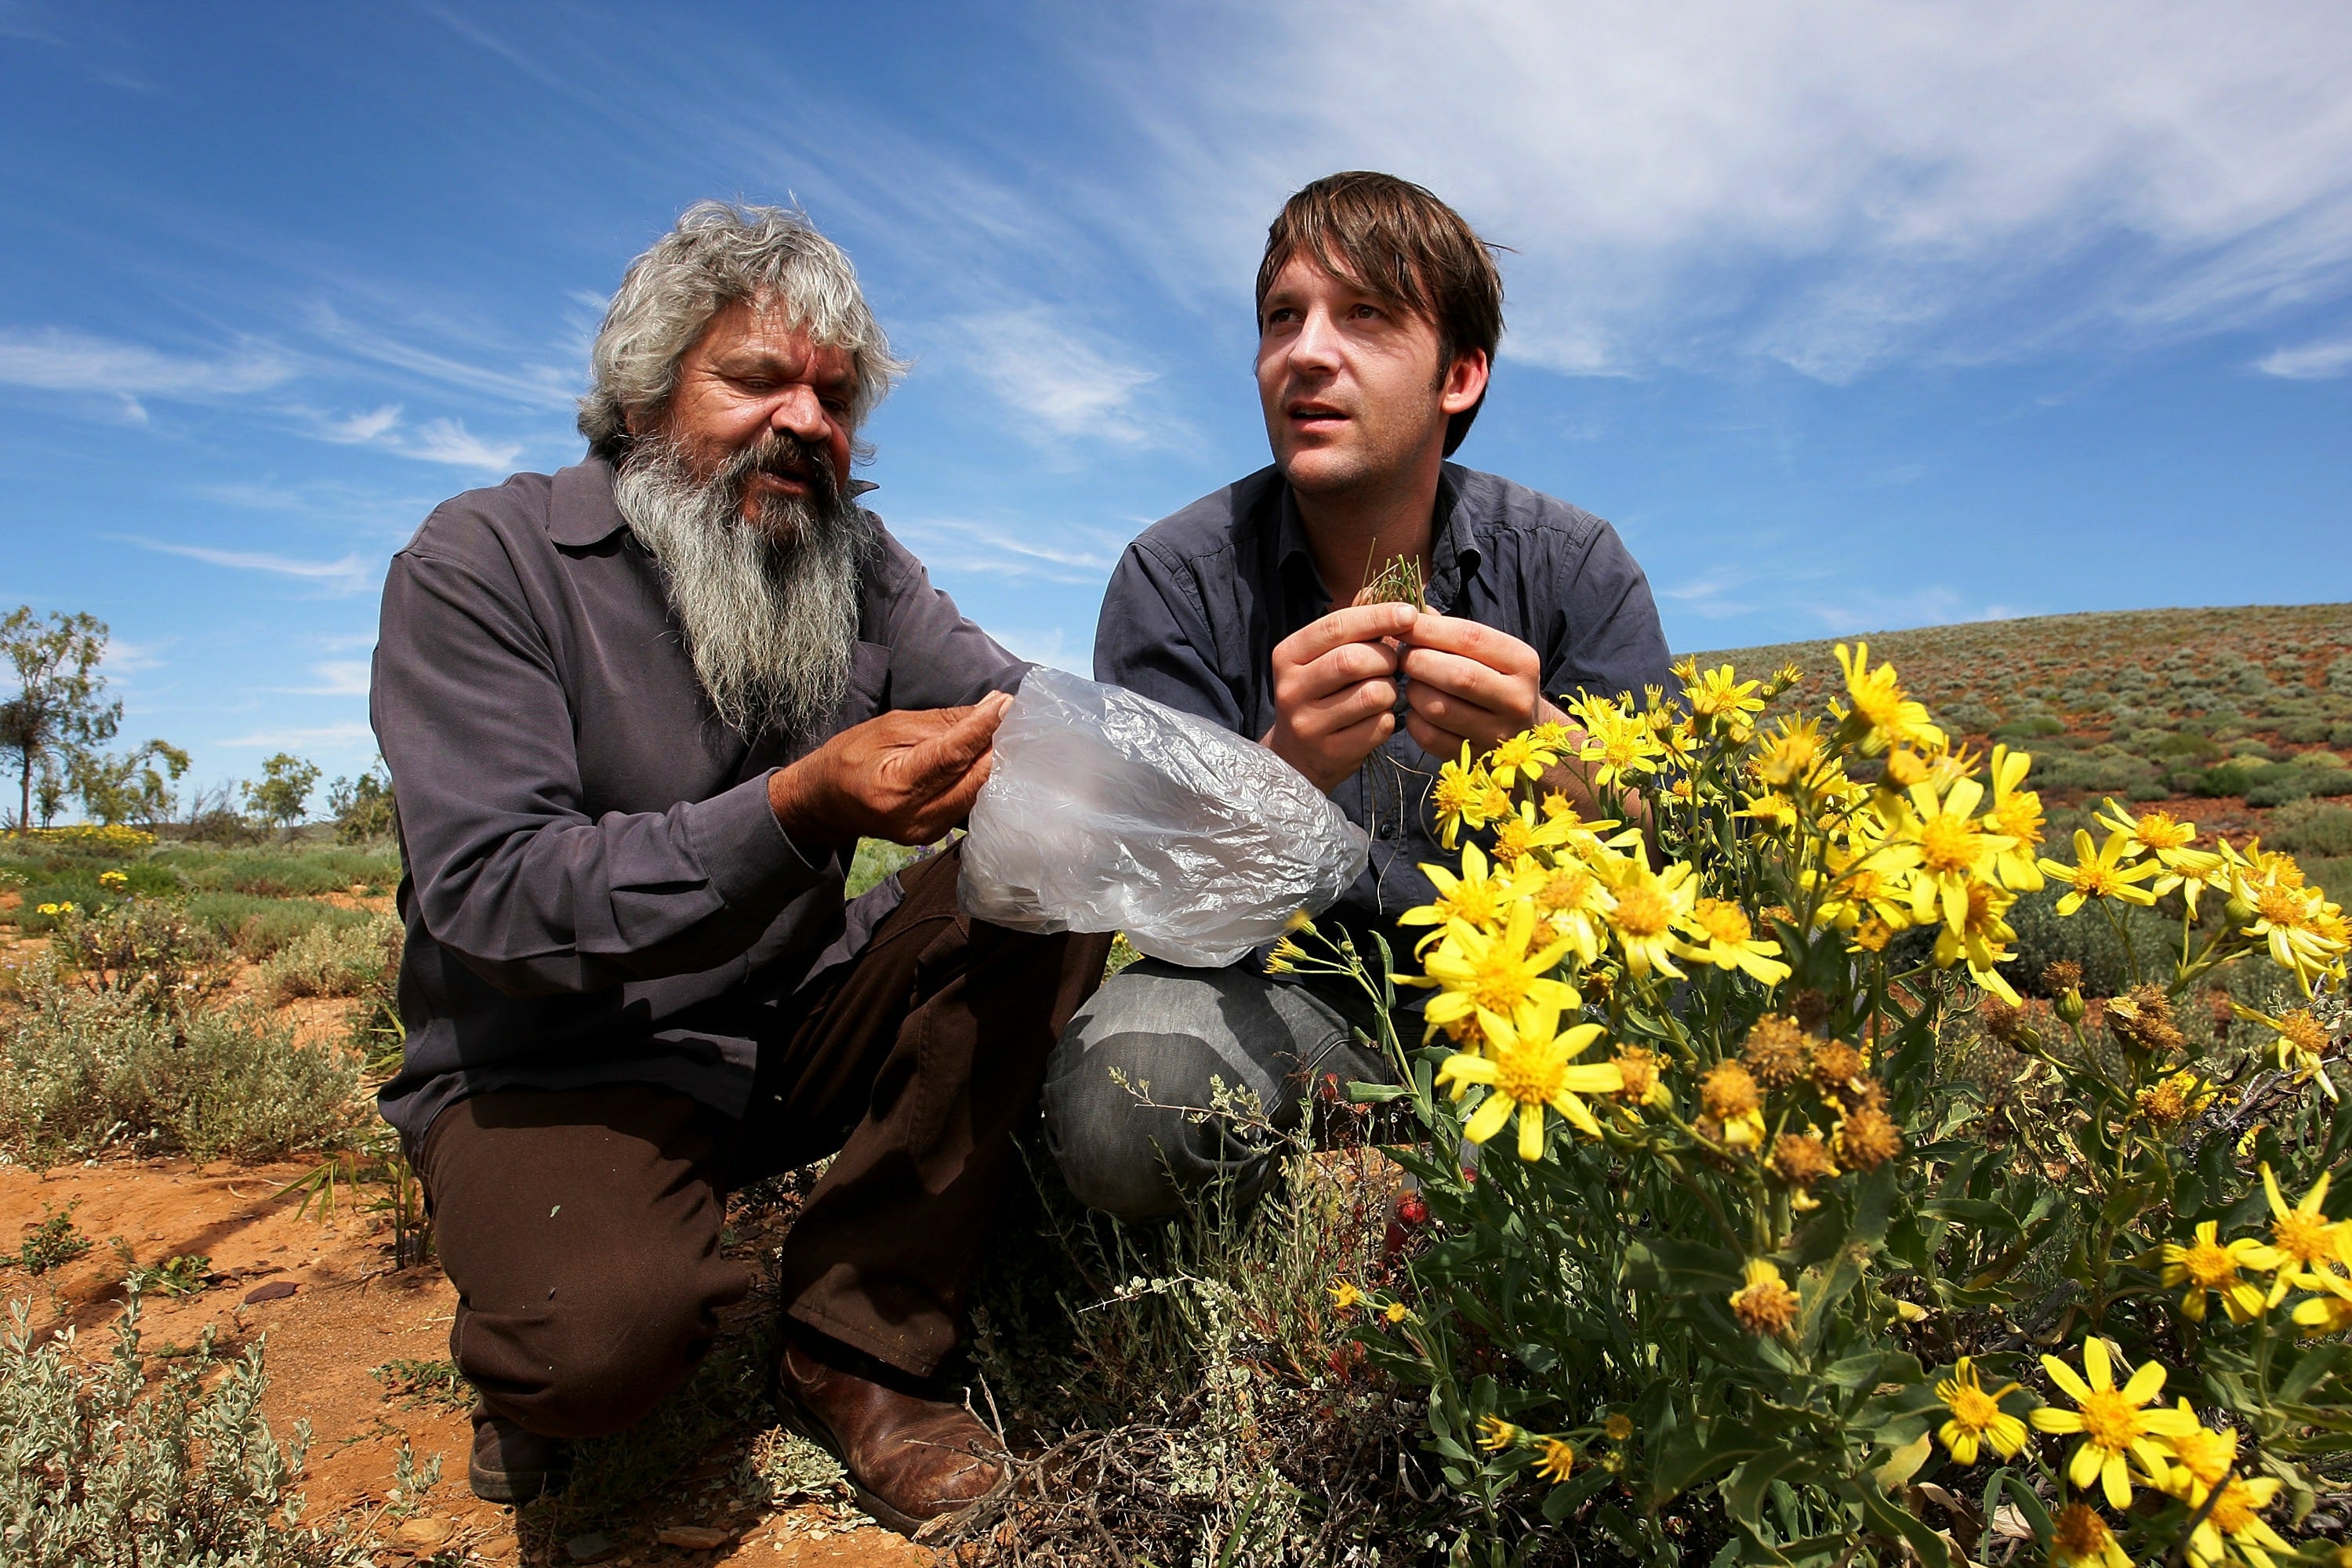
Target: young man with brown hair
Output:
[{"x": 1379, "y": 310}]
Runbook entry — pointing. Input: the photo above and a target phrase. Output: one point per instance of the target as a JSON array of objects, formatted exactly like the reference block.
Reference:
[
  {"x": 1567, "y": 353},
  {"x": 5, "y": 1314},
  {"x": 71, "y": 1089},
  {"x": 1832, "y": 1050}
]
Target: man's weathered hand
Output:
[
  {"x": 1469, "y": 682},
  {"x": 907, "y": 777},
  {"x": 1335, "y": 691}
]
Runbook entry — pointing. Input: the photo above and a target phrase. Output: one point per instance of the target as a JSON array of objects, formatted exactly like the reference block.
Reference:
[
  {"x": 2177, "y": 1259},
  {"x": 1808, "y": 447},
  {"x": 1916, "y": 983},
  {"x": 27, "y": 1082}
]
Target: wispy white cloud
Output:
[
  {"x": 1058, "y": 384},
  {"x": 2309, "y": 362},
  {"x": 1831, "y": 186},
  {"x": 1048, "y": 646},
  {"x": 350, "y": 575},
  {"x": 1055, "y": 553},
  {"x": 336, "y": 678},
  {"x": 434, "y": 441},
  {"x": 363, "y": 427},
  {"x": 55, "y": 359},
  {"x": 124, "y": 658},
  {"x": 1862, "y": 610},
  {"x": 538, "y": 386},
  {"x": 348, "y": 732}
]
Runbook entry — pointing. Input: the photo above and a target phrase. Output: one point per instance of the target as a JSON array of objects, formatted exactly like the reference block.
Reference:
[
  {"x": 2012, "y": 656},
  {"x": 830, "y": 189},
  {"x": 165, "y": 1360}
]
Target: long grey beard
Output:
[{"x": 769, "y": 613}]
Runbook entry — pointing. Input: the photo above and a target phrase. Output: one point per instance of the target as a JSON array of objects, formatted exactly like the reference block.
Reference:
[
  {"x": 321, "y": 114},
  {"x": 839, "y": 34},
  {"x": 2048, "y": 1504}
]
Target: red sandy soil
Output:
[{"x": 350, "y": 1312}]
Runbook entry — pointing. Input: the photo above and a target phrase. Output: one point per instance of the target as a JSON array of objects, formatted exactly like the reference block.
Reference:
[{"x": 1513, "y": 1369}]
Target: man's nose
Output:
[
  {"x": 799, "y": 411},
  {"x": 1317, "y": 346}
]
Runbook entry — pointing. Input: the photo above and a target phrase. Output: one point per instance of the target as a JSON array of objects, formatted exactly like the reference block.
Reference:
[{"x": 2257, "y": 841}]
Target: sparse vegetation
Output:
[
  {"x": 53, "y": 1243},
  {"x": 84, "y": 1071},
  {"x": 332, "y": 959},
  {"x": 106, "y": 1473}
]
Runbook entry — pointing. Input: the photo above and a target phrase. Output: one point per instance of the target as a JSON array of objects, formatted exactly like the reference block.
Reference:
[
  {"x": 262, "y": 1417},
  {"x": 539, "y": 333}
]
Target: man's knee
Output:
[
  {"x": 600, "y": 1353},
  {"x": 1121, "y": 1148},
  {"x": 1130, "y": 1095}
]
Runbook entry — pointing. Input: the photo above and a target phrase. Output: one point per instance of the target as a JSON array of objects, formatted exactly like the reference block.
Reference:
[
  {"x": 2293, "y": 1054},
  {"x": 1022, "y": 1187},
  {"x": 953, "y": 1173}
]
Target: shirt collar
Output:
[
  {"x": 1453, "y": 545},
  {"x": 584, "y": 512}
]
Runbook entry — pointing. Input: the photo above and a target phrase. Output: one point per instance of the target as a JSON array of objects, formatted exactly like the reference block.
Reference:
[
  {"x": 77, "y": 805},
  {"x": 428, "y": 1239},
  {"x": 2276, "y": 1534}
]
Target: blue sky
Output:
[{"x": 1850, "y": 317}]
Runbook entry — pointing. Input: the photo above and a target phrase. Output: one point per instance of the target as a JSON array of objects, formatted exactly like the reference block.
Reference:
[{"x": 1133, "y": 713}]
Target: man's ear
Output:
[{"x": 1465, "y": 382}]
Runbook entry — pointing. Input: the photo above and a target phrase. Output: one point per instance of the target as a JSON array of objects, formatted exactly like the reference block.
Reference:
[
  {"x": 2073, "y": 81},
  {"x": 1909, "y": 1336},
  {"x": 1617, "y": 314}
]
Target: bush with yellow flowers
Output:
[{"x": 1732, "y": 1260}]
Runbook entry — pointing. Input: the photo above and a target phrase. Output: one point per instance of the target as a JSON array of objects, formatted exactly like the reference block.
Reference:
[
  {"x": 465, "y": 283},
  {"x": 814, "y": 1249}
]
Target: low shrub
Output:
[
  {"x": 283, "y": 871},
  {"x": 83, "y": 1070},
  {"x": 332, "y": 959},
  {"x": 141, "y": 948},
  {"x": 105, "y": 1472},
  {"x": 256, "y": 927},
  {"x": 2312, "y": 829}
]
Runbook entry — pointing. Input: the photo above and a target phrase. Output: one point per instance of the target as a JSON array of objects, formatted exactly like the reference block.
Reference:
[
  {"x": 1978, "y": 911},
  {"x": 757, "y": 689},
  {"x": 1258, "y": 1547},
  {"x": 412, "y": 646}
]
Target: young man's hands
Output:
[
  {"x": 907, "y": 777},
  {"x": 1335, "y": 688},
  {"x": 1335, "y": 691},
  {"x": 1469, "y": 682}
]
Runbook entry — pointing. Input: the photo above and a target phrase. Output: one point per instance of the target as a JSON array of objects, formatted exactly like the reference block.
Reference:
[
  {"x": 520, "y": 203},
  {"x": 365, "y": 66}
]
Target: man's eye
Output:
[{"x": 1368, "y": 312}]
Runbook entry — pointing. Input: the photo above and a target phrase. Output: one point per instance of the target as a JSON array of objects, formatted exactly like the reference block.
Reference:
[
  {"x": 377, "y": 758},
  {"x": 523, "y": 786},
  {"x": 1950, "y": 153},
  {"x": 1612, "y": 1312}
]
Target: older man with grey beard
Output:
[{"x": 637, "y": 713}]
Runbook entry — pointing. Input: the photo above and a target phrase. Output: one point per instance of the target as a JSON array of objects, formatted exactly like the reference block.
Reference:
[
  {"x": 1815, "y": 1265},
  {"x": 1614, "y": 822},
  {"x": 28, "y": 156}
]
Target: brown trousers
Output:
[{"x": 581, "y": 1227}]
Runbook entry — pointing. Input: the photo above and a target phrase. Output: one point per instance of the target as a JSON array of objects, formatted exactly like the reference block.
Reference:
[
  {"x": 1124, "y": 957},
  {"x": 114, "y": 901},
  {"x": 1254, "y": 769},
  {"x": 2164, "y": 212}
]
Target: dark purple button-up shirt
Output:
[{"x": 594, "y": 889}]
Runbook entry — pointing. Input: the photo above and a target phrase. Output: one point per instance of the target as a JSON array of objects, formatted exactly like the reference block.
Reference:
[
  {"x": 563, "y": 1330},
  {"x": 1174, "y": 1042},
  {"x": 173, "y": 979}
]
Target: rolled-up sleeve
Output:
[{"x": 508, "y": 872}]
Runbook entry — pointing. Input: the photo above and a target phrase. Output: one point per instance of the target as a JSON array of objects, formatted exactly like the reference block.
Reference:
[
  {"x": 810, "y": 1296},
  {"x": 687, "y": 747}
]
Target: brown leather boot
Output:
[
  {"x": 911, "y": 1459},
  {"x": 512, "y": 1465}
]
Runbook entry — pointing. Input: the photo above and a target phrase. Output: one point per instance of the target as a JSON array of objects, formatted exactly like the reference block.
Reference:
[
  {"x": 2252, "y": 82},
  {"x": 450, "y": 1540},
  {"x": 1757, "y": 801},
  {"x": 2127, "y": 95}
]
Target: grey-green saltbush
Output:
[
  {"x": 103, "y": 1472},
  {"x": 81, "y": 1071},
  {"x": 331, "y": 960}
]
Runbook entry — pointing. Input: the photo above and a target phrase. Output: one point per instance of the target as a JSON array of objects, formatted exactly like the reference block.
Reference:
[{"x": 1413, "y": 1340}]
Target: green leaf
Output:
[
  {"x": 1978, "y": 1214},
  {"x": 1743, "y": 1491},
  {"x": 1885, "y": 1518},
  {"x": 2311, "y": 1369},
  {"x": 1905, "y": 1462}
]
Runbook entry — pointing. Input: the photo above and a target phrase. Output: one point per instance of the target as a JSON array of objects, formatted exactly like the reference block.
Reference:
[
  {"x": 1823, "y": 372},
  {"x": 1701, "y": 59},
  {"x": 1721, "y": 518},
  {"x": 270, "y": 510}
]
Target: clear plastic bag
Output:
[{"x": 1106, "y": 811}]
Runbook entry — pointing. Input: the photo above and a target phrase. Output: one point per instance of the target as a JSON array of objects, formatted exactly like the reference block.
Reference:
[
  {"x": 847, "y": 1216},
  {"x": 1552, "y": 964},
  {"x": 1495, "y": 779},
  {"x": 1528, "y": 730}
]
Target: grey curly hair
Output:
[{"x": 718, "y": 256}]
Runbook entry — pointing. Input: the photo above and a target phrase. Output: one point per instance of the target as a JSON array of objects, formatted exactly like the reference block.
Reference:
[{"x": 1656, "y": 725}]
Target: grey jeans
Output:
[{"x": 1138, "y": 1150}]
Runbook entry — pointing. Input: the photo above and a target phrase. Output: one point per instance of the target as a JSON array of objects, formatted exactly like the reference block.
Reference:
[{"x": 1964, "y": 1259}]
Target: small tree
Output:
[
  {"x": 283, "y": 789},
  {"x": 135, "y": 786},
  {"x": 363, "y": 808},
  {"x": 59, "y": 707},
  {"x": 50, "y": 792}
]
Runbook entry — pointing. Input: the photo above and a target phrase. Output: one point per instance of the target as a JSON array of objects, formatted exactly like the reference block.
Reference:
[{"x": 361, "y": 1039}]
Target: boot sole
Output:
[{"x": 512, "y": 1491}]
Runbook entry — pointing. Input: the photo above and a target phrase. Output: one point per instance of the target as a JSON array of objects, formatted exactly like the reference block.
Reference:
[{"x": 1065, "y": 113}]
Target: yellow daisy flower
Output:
[
  {"x": 1720, "y": 700},
  {"x": 2303, "y": 1237},
  {"x": 2015, "y": 815},
  {"x": 2236, "y": 1517},
  {"x": 1882, "y": 712},
  {"x": 2079, "y": 1538},
  {"x": 1464, "y": 796},
  {"x": 1977, "y": 1418},
  {"x": 1558, "y": 1458},
  {"x": 1530, "y": 1064},
  {"x": 2207, "y": 1266},
  {"x": 1953, "y": 849},
  {"x": 1345, "y": 1296},
  {"x": 1495, "y": 1434},
  {"x": 1490, "y": 975},
  {"x": 1521, "y": 756},
  {"x": 2113, "y": 1422},
  {"x": 1764, "y": 1304},
  {"x": 1650, "y": 905},
  {"x": 2101, "y": 873},
  {"x": 1723, "y": 936},
  {"x": 1480, "y": 898}
]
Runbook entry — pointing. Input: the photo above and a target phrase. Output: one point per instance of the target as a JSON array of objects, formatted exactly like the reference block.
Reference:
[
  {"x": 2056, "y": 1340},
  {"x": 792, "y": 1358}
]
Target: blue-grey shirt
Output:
[
  {"x": 593, "y": 886},
  {"x": 1197, "y": 605}
]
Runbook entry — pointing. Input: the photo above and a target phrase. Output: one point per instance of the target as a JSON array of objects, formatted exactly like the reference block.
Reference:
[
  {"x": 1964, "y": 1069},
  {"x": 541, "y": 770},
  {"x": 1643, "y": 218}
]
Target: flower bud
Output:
[{"x": 2071, "y": 1007}]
